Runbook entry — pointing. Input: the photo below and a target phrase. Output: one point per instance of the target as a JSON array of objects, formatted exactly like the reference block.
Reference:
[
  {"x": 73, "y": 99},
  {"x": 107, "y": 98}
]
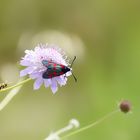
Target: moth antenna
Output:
[
  {"x": 71, "y": 67},
  {"x": 74, "y": 77},
  {"x": 72, "y": 62}
]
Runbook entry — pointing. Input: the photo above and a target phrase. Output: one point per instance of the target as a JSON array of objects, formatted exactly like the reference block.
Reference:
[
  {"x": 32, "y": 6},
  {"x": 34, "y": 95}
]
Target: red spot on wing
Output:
[
  {"x": 54, "y": 68},
  {"x": 54, "y": 64},
  {"x": 50, "y": 76},
  {"x": 54, "y": 74},
  {"x": 61, "y": 73},
  {"x": 62, "y": 66}
]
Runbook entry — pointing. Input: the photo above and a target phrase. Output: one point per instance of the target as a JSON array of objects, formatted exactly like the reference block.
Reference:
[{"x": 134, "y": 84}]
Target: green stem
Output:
[
  {"x": 16, "y": 85},
  {"x": 91, "y": 125}
]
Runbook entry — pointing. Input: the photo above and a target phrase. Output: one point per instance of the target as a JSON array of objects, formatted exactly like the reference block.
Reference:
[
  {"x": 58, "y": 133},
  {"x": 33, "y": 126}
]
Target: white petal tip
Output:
[
  {"x": 54, "y": 91},
  {"x": 35, "y": 88}
]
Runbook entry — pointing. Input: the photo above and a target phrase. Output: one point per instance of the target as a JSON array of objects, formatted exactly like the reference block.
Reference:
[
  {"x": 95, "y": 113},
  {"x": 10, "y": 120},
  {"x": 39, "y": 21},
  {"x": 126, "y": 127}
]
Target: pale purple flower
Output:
[{"x": 34, "y": 67}]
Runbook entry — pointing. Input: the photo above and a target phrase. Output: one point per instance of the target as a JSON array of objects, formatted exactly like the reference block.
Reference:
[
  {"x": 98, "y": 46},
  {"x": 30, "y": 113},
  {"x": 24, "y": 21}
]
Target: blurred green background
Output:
[{"x": 105, "y": 37}]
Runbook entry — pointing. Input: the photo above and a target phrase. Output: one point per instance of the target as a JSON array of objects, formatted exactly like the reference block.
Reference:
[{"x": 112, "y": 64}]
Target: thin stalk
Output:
[
  {"x": 65, "y": 129},
  {"x": 91, "y": 125},
  {"x": 16, "y": 85},
  {"x": 9, "y": 97}
]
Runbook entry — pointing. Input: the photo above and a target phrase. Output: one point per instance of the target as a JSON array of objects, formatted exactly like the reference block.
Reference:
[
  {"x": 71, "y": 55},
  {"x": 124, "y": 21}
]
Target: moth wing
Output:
[{"x": 47, "y": 74}]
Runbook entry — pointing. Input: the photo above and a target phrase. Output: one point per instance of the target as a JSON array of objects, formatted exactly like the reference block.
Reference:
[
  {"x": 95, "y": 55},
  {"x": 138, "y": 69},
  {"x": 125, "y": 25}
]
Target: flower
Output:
[{"x": 35, "y": 68}]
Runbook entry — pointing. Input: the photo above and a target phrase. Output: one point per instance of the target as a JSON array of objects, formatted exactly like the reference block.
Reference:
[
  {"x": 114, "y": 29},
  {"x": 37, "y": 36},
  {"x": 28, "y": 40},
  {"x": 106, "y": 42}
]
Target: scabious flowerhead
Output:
[{"x": 35, "y": 69}]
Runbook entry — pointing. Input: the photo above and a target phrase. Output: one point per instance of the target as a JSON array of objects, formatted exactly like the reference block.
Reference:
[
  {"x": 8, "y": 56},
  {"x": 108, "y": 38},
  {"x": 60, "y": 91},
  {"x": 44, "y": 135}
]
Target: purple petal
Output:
[
  {"x": 30, "y": 70},
  {"x": 38, "y": 83},
  {"x": 61, "y": 80},
  {"x": 35, "y": 75},
  {"x": 26, "y": 71},
  {"x": 25, "y": 63},
  {"x": 23, "y": 73},
  {"x": 47, "y": 82},
  {"x": 54, "y": 86}
]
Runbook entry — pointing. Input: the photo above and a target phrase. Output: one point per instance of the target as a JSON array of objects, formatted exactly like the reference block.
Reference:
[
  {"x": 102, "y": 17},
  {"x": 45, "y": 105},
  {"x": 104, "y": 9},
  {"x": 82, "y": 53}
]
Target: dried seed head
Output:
[
  {"x": 75, "y": 123},
  {"x": 125, "y": 106}
]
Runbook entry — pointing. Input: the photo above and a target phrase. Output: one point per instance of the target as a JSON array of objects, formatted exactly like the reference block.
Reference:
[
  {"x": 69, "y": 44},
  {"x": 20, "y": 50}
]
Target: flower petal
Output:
[
  {"x": 26, "y": 71},
  {"x": 38, "y": 83},
  {"x": 61, "y": 80},
  {"x": 68, "y": 73},
  {"x": 47, "y": 82},
  {"x": 54, "y": 86},
  {"x": 25, "y": 63},
  {"x": 35, "y": 75},
  {"x": 23, "y": 73}
]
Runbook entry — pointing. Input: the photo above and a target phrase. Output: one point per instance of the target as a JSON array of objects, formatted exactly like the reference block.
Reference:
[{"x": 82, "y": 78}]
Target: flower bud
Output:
[{"x": 125, "y": 106}]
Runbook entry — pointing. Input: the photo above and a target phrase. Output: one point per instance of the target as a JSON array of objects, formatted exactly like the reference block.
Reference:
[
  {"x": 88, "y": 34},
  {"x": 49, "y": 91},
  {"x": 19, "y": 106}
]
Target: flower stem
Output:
[
  {"x": 9, "y": 97},
  {"x": 91, "y": 125},
  {"x": 16, "y": 85},
  {"x": 65, "y": 129}
]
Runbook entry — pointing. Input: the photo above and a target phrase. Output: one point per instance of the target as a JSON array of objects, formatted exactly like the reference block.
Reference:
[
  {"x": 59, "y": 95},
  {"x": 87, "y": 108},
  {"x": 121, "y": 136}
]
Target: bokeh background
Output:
[{"x": 105, "y": 37}]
